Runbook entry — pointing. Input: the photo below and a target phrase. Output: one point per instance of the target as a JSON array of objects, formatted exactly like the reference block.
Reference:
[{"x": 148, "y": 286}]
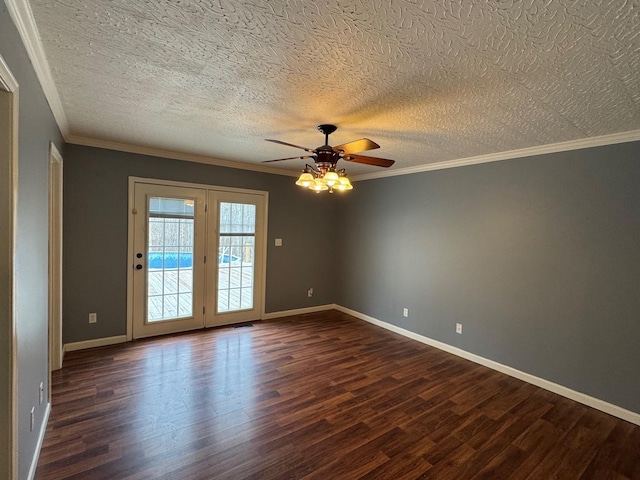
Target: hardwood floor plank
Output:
[
  {"x": 315, "y": 396},
  {"x": 353, "y": 465},
  {"x": 502, "y": 465}
]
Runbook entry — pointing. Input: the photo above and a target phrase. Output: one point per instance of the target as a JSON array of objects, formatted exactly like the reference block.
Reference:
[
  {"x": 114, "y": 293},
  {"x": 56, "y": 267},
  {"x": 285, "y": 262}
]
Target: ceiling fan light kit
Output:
[
  {"x": 320, "y": 181},
  {"x": 325, "y": 176}
]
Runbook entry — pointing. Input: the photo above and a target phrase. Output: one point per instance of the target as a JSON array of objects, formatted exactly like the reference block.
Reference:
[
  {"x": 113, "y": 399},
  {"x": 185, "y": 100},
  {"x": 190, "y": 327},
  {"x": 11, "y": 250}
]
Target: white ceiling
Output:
[{"x": 430, "y": 81}]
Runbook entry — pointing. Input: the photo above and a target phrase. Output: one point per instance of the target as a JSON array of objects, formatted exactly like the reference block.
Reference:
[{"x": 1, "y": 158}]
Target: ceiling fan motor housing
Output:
[{"x": 326, "y": 157}]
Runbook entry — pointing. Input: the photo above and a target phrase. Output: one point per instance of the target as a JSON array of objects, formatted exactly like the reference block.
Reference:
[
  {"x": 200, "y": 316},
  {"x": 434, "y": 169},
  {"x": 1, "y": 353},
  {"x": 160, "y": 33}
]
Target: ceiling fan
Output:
[
  {"x": 328, "y": 156},
  {"x": 324, "y": 175}
]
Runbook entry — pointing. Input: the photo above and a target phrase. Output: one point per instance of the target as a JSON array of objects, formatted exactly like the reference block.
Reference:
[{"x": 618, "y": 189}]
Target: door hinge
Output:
[
  {"x": 203, "y": 310},
  {"x": 206, "y": 207},
  {"x": 205, "y": 259},
  {"x": 134, "y": 212}
]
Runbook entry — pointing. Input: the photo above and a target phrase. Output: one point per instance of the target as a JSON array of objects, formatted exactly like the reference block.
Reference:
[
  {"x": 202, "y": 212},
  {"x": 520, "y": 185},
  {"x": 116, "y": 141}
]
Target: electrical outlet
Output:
[
  {"x": 33, "y": 419},
  {"x": 459, "y": 328},
  {"x": 278, "y": 242},
  {"x": 310, "y": 292},
  {"x": 41, "y": 393},
  {"x": 405, "y": 312},
  {"x": 93, "y": 318}
]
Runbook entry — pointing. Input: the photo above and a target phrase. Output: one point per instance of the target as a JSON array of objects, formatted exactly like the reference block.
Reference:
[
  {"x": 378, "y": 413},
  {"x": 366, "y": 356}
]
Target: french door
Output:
[
  {"x": 197, "y": 257},
  {"x": 234, "y": 278}
]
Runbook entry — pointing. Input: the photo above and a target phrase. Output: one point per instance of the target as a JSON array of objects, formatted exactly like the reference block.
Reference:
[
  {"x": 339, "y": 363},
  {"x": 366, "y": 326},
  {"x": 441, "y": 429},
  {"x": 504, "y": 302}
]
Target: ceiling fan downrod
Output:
[{"x": 327, "y": 129}]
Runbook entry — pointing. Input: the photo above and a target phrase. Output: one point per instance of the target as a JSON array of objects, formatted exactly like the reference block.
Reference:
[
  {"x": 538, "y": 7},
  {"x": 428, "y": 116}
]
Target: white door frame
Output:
[
  {"x": 8, "y": 210},
  {"x": 55, "y": 260},
  {"x": 131, "y": 237}
]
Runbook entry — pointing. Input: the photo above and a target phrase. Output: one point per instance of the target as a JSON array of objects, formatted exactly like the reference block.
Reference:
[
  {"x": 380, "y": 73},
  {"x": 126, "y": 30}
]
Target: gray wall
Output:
[
  {"x": 95, "y": 235},
  {"x": 36, "y": 128},
  {"x": 538, "y": 258}
]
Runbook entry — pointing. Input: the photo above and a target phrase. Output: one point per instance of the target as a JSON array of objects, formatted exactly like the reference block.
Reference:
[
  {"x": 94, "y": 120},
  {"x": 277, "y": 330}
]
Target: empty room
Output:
[{"x": 319, "y": 240}]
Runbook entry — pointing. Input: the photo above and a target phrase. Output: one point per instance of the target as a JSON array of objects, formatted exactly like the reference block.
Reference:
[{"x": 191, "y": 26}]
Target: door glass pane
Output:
[
  {"x": 170, "y": 258},
  {"x": 236, "y": 255}
]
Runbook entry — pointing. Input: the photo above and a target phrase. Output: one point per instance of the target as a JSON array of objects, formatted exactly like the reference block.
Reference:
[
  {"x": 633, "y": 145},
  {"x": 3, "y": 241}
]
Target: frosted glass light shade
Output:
[
  {"x": 305, "y": 180},
  {"x": 318, "y": 185},
  {"x": 343, "y": 184},
  {"x": 331, "y": 178}
]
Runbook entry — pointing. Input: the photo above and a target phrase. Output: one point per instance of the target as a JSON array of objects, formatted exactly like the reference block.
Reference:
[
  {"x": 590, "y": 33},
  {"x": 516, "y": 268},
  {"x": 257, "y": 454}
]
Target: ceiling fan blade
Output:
[
  {"x": 378, "y": 162},
  {"x": 289, "y": 144},
  {"x": 361, "y": 145},
  {"x": 288, "y": 158}
]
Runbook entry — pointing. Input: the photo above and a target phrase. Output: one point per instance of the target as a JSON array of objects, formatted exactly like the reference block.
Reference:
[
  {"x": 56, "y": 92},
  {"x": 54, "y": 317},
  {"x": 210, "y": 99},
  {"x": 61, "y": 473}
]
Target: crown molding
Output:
[
  {"x": 631, "y": 136},
  {"x": 591, "y": 142},
  {"x": 187, "y": 157},
  {"x": 22, "y": 16}
]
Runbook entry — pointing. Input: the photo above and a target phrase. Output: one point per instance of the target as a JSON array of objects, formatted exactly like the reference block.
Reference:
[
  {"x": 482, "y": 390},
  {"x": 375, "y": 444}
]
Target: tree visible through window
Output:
[
  {"x": 170, "y": 262},
  {"x": 236, "y": 255}
]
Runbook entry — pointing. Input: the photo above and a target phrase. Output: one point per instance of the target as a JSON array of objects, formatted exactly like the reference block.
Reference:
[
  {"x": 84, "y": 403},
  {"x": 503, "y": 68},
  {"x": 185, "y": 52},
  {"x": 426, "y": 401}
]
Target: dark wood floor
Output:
[{"x": 318, "y": 396}]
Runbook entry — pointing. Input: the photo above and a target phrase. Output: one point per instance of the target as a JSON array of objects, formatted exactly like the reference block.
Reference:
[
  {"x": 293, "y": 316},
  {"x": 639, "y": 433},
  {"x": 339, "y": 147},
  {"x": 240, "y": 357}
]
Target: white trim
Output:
[
  {"x": 55, "y": 259},
  {"x": 7, "y": 80},
  {"x": 204, "y": 186},
  {"x": 599, "y": 141},
  {"x": 265, "y": 249},
  {"x": 587, "y": 400},
  {"x": 9, "y": 189},
  {"x": 96, "y": 342},
  {"x": 130, "y": 242},
  {"x": 43, "y": 430},
  {"x": 299, "y": 311},
  {"x": 187, "y": 157},
  {"x": 22, "y": 16},
  {"x": 631, "y": 136}
]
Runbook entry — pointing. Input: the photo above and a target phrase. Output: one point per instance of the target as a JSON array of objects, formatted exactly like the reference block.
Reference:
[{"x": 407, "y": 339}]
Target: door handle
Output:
[{"x": 138, "y": 267}]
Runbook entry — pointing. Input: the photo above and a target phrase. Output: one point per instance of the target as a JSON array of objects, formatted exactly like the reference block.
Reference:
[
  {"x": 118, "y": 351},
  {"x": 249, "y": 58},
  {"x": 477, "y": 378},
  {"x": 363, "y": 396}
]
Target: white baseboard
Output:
[
  {"x": 43, "y": 429},
  {"x": 299, "y": 311},
  {"x": 587, "y": 400},
  {"x": 101, "y": 342},
  {"x": 96, "y": 342}
]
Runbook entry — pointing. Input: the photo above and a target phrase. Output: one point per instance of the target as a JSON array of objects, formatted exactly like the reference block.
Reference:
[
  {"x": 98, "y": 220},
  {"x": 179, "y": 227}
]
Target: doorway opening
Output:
[{"x": 8, "y": 198}]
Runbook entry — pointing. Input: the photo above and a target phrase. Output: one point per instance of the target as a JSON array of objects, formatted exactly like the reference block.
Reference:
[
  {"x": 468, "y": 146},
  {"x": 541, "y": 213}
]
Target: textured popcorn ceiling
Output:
[{"x": 428, "y": 80}]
